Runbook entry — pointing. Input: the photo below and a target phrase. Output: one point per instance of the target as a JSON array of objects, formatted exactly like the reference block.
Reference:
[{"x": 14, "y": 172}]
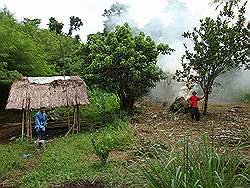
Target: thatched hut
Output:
[{"x": 30, "y": 93}]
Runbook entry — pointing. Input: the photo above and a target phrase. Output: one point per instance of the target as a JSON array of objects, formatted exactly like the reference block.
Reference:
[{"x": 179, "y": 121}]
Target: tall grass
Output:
[
  {"x": 196, "y": 164},
  {"x": 71, "y": 158},
  {"x": 103, "y": 143}
]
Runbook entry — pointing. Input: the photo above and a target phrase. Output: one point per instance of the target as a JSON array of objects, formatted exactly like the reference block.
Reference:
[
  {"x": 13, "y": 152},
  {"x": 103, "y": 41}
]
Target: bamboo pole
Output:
[
  {"x": 69, "y": 130},
  {"x": 26, "y": 123},
  {"x": 68, "y": 117},
  {"x": 23, "y": 123},
  {"x": 77, "y": 113},
  {"x": 30, "y": 120},
  {"x": 78, "y": 118},
  {"x": 74, "y": 117},
  {"x": 74, "y": 121}
]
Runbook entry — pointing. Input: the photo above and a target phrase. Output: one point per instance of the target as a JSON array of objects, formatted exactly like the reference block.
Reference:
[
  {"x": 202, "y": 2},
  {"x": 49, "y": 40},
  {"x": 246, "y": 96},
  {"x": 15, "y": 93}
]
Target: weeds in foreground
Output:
[
  {"x": 102, "y": 150},
  {"x": 195, "y": 164},
  {"x": 67, "y": 158},
  {"x": 14, "y": 156},
  {"x": 111, "y": 137}
]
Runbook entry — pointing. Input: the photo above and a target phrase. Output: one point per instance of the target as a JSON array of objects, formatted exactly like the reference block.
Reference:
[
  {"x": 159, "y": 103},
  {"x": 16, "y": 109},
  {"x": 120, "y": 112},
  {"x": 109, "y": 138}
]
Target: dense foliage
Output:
[
  {"x": 218, "y": 46},
  {"x": 124, "y": 64},
  {"x": 117, "y": 61},
  {"x": 27, "y": 50},
  {"x": 20, "y": 52}
]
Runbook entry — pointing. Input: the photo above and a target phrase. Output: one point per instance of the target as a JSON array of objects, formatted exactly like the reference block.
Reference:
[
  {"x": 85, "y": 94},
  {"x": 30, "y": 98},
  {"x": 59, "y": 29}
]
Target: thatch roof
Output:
[{"x": 49, "y": 92}]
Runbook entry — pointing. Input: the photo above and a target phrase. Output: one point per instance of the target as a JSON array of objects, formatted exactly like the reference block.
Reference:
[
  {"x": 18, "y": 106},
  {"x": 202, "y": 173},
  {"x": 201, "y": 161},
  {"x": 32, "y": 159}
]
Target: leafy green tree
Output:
[
  {"x": 71, "y": 56},
  {"x": 20, "y": 54},
  {"x": 75, "y": 24},
  {"x": 63, "y": 52},
  {"x": 27, "y": 50},
  {"x": 223, "y": 1},
  {"x": 35, "y": 22},
  {"x": 123, "y": 64},
  {"x": 218, "y": 46},
  {"x": 55, "y": 26}
]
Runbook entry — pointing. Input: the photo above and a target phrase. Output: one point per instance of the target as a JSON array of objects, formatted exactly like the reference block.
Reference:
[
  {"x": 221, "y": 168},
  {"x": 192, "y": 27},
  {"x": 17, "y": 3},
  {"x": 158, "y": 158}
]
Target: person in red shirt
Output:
[{"x": 193, "y": 101}]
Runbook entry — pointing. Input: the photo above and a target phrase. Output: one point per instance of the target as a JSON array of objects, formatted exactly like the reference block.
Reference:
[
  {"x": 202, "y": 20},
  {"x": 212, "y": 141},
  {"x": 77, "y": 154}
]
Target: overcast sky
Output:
[{"x": 90, "y": 11}]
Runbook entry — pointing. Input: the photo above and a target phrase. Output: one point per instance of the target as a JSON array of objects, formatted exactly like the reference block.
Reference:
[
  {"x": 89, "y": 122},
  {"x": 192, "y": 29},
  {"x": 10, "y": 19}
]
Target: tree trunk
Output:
[
  {"x": 205, "y": 103},
  {"x": 127, "y": 103}
]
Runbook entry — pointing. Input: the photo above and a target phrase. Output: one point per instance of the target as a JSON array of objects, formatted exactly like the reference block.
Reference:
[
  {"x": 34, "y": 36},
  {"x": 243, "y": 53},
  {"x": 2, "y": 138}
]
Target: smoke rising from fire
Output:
[{"x": 174, "y": 19}]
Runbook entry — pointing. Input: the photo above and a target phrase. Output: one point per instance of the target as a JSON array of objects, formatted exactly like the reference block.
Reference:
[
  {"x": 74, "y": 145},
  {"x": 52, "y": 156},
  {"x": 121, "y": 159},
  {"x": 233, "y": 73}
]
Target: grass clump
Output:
[
  {"x": 102, "y": 150},
  {"x": 195, "y": 164},
  {"x": 111, "y": 137}
]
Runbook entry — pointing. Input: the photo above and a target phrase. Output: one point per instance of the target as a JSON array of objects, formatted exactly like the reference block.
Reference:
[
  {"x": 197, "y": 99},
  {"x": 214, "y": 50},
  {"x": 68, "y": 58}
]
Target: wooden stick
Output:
[
  {"x": 74, "y": 116},
  {"x": 28, "y": 113},
  {"x": 69, "y": 130},
  {"x": 73, "y": 124},
  {"x": 30, "y": 124},
  {"x": 74, "y": 121},
  {"x": 67, "y": 107},
  {"x": 68, "y": 117},
  {"x": 78, "y": 118},
  {"x": 23, "y": 124}
]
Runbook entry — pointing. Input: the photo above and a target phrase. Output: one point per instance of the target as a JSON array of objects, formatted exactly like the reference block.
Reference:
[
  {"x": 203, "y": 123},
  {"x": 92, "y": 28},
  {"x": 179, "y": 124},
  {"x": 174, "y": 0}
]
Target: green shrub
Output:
[
  {"x": 102, "y": 150},
  {"x": 101, "y": 105},
  {"x": 101, "y": 110},
  {"x": 195, "y": 164}
]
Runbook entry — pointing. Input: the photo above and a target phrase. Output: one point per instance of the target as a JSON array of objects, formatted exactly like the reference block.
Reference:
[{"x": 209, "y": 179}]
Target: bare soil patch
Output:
[{"x": 229, "y": 122}]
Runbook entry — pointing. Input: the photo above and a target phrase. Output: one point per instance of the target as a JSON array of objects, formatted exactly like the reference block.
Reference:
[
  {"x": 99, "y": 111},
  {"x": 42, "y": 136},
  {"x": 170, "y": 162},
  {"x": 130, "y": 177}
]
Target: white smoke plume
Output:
[
  {"x": 234, "y": 87},
  {"x": 175, "y": 19}
]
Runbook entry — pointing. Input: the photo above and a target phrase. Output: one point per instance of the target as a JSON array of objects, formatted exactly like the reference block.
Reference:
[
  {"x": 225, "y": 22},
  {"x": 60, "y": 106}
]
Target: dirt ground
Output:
[
  {"x": 229, "y": 122},
  {"x": 154, "y": 122}
]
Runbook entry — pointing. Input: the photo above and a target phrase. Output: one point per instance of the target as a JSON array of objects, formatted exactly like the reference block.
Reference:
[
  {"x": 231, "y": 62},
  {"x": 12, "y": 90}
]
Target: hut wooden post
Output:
[
  {"x": 30, "y": 124},
  {"x": 74, "y": 117},
  {"x": 26, "y": 123},
  {"x": 78, "y": 118},
  {"x": 68, "y": 117},
  {"x": 67, "y": 107},
  {"x": 23, "y": 123},
  {"x": 74, "y": 122},
  {"x": 28, "y": 118}
]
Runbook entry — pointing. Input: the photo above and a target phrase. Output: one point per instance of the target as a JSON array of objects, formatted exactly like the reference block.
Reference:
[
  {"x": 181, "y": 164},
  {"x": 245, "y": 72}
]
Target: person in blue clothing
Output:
[{"x": 40, "y": 124}]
